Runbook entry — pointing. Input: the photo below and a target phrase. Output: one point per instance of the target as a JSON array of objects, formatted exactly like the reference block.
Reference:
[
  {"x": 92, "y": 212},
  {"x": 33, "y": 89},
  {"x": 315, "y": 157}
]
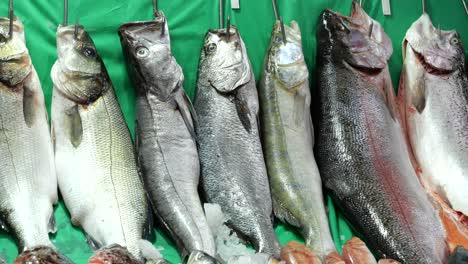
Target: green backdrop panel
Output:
[{"x": 188, "y": 22}]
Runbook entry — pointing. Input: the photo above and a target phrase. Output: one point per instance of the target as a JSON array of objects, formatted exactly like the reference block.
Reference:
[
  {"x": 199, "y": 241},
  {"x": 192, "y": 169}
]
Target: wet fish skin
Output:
[
  {"x": 199, "y": 257},
  {"x": 166, "y": 145},
  {"x": 94, "y": 154},
  {"x": 434, "y": 102},
  {"x": 28, "y": 188},
  {"x": 361, "y": 152},
  {"x": 232, "y": 166},
  {"x": 288, "y": 139}
]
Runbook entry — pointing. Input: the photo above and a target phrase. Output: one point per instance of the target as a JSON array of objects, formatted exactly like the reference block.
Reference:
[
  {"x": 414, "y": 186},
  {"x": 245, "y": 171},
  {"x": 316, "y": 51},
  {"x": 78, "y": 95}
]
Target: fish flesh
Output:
[
  {"x": 361, "y": 150},
  {"x": 233, "y": 171},
  {"x": 28, "y": 188},
  {"x": 113, "y": 254},
  {"x": 288, "y": 139},
  {"x": 94, "y": 154},
  {"x": 42, "y": 255},
  {"x": 166, "y": 145},
  {"x": 433, "y": 96}
]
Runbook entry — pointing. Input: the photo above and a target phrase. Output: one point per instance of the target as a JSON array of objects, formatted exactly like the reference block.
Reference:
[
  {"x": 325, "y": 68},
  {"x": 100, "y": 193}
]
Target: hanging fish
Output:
[{"x": 361, "y": 151}]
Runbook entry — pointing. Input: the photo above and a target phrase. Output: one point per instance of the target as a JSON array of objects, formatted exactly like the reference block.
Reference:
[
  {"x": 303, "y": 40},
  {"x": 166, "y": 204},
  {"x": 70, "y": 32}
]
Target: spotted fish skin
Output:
[
  {"x": 288, "y": 139},
  {"x": 94, "y": 153},
  {"x": 166, "y": 144},
  {"x": 28, "y": 183},
  {"x": 232, "y": 165},
  {"x": 361, "y": 150}
]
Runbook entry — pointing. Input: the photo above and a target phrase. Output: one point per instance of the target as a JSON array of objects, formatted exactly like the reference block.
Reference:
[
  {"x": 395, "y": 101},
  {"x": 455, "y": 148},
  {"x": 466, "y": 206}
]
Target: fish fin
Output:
[
  {"x": 187, "y": 112},
  {"x": 284, "y": 215},
  {"x": 419, "y": 96},
  {"x": 93, "y": 244},
  {"x": 30, "y": 105},
  {"x": 52, "y": 225},
  {"x": 148, "y": 228},
  {"x": 299, "y": 109},
  {"x": 243, "y": 112},
  {"x": 73, "y": 125}
]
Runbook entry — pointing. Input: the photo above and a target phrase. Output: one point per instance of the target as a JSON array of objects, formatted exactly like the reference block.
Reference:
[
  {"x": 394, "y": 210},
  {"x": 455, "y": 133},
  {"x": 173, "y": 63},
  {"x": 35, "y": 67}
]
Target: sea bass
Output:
[
  {"x": 434, "y": 102},
  {"x": 95, "y": 159},
  {"x": 165, "y": 134},
  {"x": 232, "y": 166},
  {"x": 361, "y": 151},
  {"x": 28, "y": 188},
  {"x": 288, "y": 139}
]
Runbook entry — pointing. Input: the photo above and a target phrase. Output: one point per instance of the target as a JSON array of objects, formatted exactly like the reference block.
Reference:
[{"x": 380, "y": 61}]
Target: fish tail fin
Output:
[{"x": 148, "y": 251}]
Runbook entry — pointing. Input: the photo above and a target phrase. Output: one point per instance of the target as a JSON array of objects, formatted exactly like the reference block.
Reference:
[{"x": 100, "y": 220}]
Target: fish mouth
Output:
[
  {"x": 363, "y": 70},
  {"x": 222, "y": 33},
  {"x": 140, "y": 26},
  {"x": 431, "y": 69}
]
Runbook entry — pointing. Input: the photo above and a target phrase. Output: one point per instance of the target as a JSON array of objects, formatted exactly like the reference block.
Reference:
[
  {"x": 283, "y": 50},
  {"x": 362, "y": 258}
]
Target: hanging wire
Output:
[
  {"x": 11, "y": 16},
  {"x": 283, "y": 32},
  {"x": 221, "y": 13},
  {"x": 423, "y": 6},
  {"x": 77, "y": 25},
  {"x": 155, "y": 8},
  {"x": 228, "y": 28},
  {"x": 65, "y": 12},
  {"x": 465, "y": 6},
  {"x": 371, "y": 29},
  {"x": 275, "y": 9}
]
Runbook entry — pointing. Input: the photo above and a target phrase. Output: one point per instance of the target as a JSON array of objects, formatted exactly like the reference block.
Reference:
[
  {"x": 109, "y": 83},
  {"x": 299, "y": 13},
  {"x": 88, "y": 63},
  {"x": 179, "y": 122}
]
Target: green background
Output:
[{"x": 188, "y": 21}]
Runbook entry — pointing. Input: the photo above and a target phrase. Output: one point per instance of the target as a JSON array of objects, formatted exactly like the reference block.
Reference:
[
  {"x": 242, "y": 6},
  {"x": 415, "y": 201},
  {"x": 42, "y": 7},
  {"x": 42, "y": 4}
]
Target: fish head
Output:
[
  {"x": 200, "y": 257},
  {"x": 358, "y": 40},
  {"x": 15, "y": 63},
  {"x": 286, "y": 59},
  {"x": 113, "y": 254},
  {"x": 79, "y": 72},
  {"x": 438, "y": 51},
  {"x": 147, "y": 49},
  {"x": 42, "y": 255},
  {"x": 224, "y": 63}
]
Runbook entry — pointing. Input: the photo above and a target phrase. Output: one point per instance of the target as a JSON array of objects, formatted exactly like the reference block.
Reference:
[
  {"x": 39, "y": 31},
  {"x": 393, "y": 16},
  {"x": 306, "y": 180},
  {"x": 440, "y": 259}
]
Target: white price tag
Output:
[
  {"x": 386, "y": 7},
  {"x": 235, "y": 4}
]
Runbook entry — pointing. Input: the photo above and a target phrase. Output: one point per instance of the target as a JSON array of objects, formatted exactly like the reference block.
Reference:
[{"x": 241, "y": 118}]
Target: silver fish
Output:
[
  {"x": 165, "y": 132},
  {"x": 232, "y": 165},
  {"x": 28, "y": 188},
  {"x": 95, "y": 158},
  {"x": 288, "y": 139},
  {"x": 434, "y": 103}
]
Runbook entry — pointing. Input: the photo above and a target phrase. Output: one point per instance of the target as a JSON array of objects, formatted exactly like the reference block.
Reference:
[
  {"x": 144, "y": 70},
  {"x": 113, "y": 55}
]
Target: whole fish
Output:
[
  {"x": 434, "y": 101},
  {"x": 166, "y": 145},
  {"x": 95, "y": 158},
  {"x": 232, "y": 166},
  {"x": 288, "y": 139},
  {"x": 28, "y": 188},
  {"x": 361, "y": 151}
]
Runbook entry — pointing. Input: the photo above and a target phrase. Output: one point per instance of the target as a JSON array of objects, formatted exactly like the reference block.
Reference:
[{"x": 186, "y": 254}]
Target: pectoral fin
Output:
[
  {"x": 419, "y": 95},
  {"x": 243, "y": 112},
  {"x": 29, "y": 105},
  {"x": 52, "y": 226},
  {"x": 187, "y": 112},
  {"x": 73, "y": 125}
]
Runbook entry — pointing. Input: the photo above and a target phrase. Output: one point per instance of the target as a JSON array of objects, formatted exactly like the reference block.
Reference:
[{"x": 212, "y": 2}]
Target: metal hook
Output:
[
  {"x": 465, "y": 6},
  {"x": 424, "y": 6},
  {"x": 221, "y": 13},
  {"x": 275, "y": 9},
  {"x": 283, "y": 31},
  {"x": 11, "y": 16},
  {"x": 76, "y": 28},
  {"x": 65, "y": 12},
  {"x": 371, "y": 28},
  {"x": 155, "y": 8},
  {"x": 228, "y": 28},
  {"x": 163, "y": 26}
]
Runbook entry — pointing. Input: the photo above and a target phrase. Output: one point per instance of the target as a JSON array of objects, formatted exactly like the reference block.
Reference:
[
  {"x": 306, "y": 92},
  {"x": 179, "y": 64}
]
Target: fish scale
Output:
[
  {"x": 232, "y": 165},
  {"x": 29, "y": 184},
  {"x": 95, "y": 160},
  {"x": 361, "y": 150},
  {"x": 166, "y": 145}
]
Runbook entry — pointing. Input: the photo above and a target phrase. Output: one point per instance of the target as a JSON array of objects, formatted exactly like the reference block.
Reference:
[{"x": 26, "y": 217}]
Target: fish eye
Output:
[
  {"x": 454, "y": 41},
  {"x": 89, "y": 52},
  {"x": 210, "y": 48},
  {"x": 142, "y": 52}
]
